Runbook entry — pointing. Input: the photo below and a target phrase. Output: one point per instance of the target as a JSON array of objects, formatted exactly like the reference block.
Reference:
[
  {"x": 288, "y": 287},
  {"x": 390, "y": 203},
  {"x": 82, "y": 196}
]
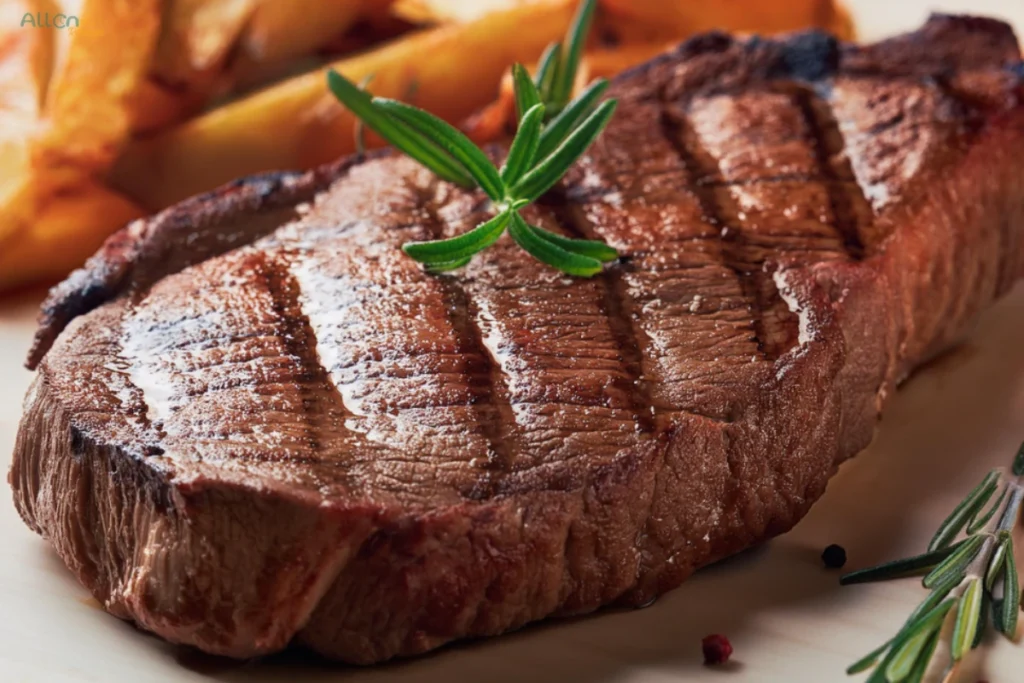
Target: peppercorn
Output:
[
  {"x": 717, "y": 649},
  {"x": 834, "y": 556}
]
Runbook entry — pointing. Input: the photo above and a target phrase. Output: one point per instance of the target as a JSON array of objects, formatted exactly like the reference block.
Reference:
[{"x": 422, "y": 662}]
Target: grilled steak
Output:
[{"x": 256, "y": 421}]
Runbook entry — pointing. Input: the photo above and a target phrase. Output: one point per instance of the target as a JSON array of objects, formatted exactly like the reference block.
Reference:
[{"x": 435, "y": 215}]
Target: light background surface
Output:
[{"x": 787, "y": 618}]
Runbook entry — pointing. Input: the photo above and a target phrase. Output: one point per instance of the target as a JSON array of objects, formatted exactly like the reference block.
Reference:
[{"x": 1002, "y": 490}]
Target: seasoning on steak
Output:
[{"x": 256, "y": 421}]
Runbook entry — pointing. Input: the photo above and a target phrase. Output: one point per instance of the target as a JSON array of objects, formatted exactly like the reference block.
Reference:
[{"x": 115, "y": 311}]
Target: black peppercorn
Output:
[{"x": 834, "y": 556}]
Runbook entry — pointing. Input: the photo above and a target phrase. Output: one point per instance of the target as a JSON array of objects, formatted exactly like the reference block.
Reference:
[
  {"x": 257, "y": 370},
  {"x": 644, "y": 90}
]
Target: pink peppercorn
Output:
[{"x": 717, "y": 649}]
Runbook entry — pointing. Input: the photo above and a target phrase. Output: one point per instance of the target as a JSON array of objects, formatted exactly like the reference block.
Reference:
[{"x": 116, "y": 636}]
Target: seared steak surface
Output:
[{"x": 260, "y": 422}]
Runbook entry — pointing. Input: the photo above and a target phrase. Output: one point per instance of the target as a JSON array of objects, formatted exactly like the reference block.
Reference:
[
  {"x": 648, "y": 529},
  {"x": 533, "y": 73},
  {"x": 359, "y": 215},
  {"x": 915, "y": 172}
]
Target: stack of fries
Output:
[{"x": 112, "y": 109}]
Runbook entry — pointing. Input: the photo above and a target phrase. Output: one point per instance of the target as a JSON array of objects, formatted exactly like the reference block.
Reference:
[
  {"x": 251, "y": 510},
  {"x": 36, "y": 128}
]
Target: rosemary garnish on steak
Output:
[
  {"x": 972, "y": 581},
  {"x": 553, "y": 132}
]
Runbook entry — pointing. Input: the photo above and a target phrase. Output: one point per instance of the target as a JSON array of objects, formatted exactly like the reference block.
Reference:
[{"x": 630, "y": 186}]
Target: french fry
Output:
[
  {"x": 155, "y": 105},
  {"x": 207, "y": 46},
  {"x": 25, "y": 63},
  {"x": 67, "y": 226},
  {"x": 86, "y": 106},
  {"x": 450, "y": 11},
  {"x": 299, "y": 124},
  {"x": 196, "y": 37},
  {"x": 664, "y": 19},
  {"x": 70, "y": 102},
  {"x": 609, "y": 62},
  {"x": 64, "y": 114},
  {"x": 279, "y": 31}
]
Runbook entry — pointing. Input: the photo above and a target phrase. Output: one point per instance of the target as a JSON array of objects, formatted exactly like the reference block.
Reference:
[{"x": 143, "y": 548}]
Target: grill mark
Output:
[
  {"x": 314, "y": 381},
  {"x": 616, "y": 304},
  {"x": 846, "y": 197},
  {"x": 156, "y": 434},
  {"x": 493, "y": 409},
  {"x": 684, "y": 141}
]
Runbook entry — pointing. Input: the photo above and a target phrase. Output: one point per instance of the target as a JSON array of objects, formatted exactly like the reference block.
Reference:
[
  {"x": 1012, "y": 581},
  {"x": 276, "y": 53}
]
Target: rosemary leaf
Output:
[
  {"x": 460, "y": 247},
  {"x": 553, "y": 167},
  {"x": 974, "y": 525},
  {"x": 526, "y": 92},
  {"x": 924, "y": 659},
  {"x": 525, "y": 175},
  {"x": 906, "y": 657},
  {"x": 868, "y": 660},
  {"x": 1011, "y": 592},
  {"x": 930, "y": 623},
  {"x": 360, "y": 131},
  {"x": 968, "y": 617},
  {"x": 524, "y": 146},
  {"x": 551, "y": 254},
  {"x": 986, "y": 604},
  {"x": 1018, "y": 462},
  {"x": 547, "y": 70},
  {"x": 409, "y": 141},
  {"x": 571, "y": 54},
  {"x": 955, "y": 564},
  {"x": 958, "y": 518},
  {"x": 878, "y": 675},
  {"x": 570, "y": 117},
  {"x": 1011, "y": 514},
  {"x": 592, "y": 248},
  {"x": 448, "y": 265},
  {"x": 938, "y": 594},
  {"x": 995, "y": 564},
  {"x": 452, "y": 140},
  {"x": 899, "y": 568}
]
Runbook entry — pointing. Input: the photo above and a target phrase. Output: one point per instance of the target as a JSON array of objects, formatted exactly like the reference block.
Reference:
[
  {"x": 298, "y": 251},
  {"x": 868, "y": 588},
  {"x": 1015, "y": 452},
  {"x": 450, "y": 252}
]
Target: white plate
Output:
[{"x": 787, "y": 618}]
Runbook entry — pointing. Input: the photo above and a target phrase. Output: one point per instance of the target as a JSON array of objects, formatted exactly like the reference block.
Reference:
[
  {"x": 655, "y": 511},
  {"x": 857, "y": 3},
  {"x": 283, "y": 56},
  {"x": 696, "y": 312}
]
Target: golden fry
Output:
[
  {"x": 299, "y": 124},
  {"x": 69, "y": 226},
  {"x": 673, "y": 20},
  {"x": 71, "y": 100},
  {"x": 450, "y": 11},
  {"x": 86, "y": 106},
  {"x": 64, "y": 110}
]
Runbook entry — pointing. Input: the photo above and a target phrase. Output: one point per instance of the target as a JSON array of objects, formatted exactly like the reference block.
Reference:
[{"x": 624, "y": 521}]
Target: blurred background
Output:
[{"x": 114, "y": 109}]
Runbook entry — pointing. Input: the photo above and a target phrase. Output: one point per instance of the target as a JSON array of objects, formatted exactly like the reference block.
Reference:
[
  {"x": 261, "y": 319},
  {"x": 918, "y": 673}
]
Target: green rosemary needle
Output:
[
  {"x": 968, "y": 579},
  {"x": 553, "y": 132}
]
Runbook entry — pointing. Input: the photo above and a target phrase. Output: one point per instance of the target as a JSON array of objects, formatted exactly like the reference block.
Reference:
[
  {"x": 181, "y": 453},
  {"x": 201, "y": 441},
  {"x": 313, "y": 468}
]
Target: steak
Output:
[{"x": 256, "y": 422}]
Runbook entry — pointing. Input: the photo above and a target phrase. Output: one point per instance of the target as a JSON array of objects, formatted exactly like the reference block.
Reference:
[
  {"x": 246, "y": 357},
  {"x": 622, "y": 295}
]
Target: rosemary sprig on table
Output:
[
  {"x": 968, "y": 579},
  {"x": 553, "y": 133}
]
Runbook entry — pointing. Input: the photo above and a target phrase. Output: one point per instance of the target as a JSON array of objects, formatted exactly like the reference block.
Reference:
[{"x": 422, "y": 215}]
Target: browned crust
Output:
[
  {"x": 486, "y": 567},
  {"x": 148, "y": 249}
]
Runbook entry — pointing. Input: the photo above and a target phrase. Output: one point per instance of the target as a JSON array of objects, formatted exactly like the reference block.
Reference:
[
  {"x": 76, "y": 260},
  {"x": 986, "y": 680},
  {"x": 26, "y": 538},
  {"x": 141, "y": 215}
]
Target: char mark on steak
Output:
[{"x": 256, "y": 422}]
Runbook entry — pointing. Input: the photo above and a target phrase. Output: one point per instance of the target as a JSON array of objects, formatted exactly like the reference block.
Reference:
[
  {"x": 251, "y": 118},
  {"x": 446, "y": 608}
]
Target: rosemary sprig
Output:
[
  {"x": 969, "y": 578},
  {"x": 553, "y": 133}
]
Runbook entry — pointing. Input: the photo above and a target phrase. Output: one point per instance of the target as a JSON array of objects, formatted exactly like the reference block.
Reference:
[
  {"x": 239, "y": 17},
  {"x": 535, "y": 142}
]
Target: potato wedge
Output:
[
  {"x": 67, "y": 227},
  {"x": 665, "y": 19},
  {"x": 299, "y": 124},
  {"x": 64, "y": 114},
  {"x": 451, "y": 11},
  {"x": 86, "y": 106},
  {"x": 280, "y": 31},
  {"x": 196, "y": 36},
  {"x": 207, "y": 45},
  {"x": 25, "y": 64}
]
